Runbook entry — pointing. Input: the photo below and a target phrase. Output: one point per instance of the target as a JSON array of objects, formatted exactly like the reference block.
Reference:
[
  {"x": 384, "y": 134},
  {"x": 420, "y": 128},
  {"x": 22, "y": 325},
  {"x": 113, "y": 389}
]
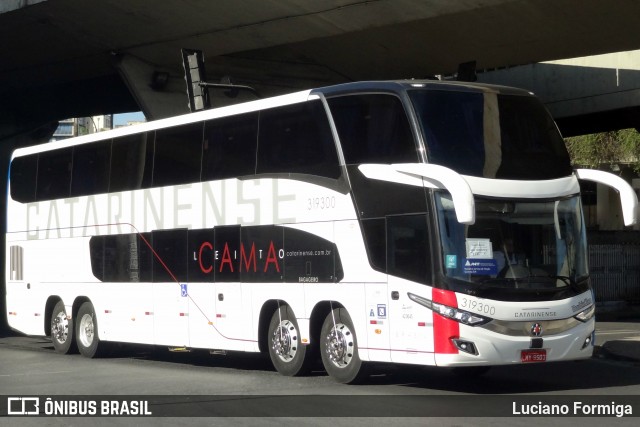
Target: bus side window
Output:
[
  {"x": 408, "y": 247},
  {"x": 23, "y": 178},
  {"x": 178, "y": 151},
  {"x": 131, "y": 162},
  {"x": 121, "y": 258},
  {"x": 297, "y": 139},
  {"x": 373, "y": 129},
  {"x": 54, "y": 174},
  {"x": 227, "y": 243},
  {"x": 90, "y": 173},
  {"x": 229, "y": 148},
  {"x": 171, "y": 247},
  {"x": 375, "y": 242}
]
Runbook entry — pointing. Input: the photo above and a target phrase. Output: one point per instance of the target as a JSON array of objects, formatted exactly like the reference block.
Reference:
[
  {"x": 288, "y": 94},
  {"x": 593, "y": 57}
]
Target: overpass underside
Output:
[
  {"x": 585, "y": 95},
  {"x": 63, "y": 60}
]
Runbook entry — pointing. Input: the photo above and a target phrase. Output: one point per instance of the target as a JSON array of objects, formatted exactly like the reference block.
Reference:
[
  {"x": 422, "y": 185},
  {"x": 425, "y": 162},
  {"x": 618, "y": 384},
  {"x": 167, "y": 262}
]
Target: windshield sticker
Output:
[
  {"x": 451, "y": 261},
  {"x": 479, "y": 249},
  {"x": 486, "y": 267}
]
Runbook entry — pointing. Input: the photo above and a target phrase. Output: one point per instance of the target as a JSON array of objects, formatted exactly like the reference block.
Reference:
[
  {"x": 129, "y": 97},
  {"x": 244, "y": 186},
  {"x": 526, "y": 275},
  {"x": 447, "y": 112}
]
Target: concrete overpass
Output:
[
  {"x": 62, "y": 58},
  {"x": 585, "y": 95}
]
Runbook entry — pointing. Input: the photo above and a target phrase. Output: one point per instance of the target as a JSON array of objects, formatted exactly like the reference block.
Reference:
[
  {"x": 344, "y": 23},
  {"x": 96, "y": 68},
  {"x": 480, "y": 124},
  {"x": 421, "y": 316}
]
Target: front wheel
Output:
[
  {"x": 339, "y": 348},
  {"x": 288, "y": 355},
  {"x": 87, "y": 331},
  {"x": 62, "y": 330}
]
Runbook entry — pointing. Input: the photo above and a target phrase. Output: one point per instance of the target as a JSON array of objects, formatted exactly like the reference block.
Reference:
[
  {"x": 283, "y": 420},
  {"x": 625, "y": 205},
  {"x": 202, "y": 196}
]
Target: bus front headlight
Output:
[
  {"x": 452, "y": 313},
  {"x": 586, "y": 315}
]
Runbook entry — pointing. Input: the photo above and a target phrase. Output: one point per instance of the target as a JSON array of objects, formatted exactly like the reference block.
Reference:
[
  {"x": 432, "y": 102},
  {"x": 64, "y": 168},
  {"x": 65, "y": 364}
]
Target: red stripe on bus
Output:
[{"x": 445, "y": 329}]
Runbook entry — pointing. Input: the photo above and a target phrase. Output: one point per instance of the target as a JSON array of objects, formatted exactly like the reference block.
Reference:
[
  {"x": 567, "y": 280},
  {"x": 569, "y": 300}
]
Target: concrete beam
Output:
[
  {"x": 601, "y": 86},
  {"x": 156, "y": 101},
  {"x": 169, "y": 100},
  {"x": 11, "y": 5}
]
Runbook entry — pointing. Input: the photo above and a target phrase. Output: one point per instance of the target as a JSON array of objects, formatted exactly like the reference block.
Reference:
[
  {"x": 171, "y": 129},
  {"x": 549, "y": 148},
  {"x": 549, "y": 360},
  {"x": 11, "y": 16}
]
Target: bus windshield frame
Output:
[{"x": 520, "y": 247}]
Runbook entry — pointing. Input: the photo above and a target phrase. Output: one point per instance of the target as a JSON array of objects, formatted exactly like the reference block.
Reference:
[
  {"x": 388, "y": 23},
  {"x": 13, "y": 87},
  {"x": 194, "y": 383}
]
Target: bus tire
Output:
[
  {"x": 339, "y": 348},
  {"x": 87, "y": 331},
  {"x": 62, "y": 333},
  {"x": 288, "y": 355}
]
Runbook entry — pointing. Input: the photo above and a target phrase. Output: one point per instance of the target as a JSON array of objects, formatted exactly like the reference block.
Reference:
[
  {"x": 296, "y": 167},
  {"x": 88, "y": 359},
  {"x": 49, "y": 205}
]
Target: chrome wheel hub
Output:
[
  {"x": 340, "y": 345},
  {"x": 60, "y": 327},
  {"x": 85, "y": 330},
  {"x": 284, "y": 341}
]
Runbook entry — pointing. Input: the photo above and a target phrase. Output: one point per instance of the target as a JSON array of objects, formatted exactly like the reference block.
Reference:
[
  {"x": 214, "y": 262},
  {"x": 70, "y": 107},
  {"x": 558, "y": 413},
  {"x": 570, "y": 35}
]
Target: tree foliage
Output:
[{"x": 607, "y": 148}]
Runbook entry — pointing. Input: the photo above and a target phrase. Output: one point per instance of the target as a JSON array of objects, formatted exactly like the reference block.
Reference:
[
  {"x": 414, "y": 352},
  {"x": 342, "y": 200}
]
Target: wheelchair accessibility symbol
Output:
[{"x": 183, "y": 290}]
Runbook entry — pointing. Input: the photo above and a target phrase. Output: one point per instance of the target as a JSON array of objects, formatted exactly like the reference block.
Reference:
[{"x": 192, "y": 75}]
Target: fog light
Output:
[
  {"x": 589, "y": 341},
  {"x": 465, "y": 346}
]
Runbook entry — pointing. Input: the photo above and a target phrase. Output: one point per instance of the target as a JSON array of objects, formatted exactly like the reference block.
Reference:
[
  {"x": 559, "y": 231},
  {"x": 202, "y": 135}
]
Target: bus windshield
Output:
[
  {"x": 515, "y": 244},
  {"x": 490, "y": 135}
]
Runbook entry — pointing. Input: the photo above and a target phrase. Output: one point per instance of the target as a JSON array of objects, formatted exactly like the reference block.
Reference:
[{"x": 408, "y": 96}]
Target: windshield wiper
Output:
[
  {"x": 487, "y": 282},
  {"x": 568, "y": 281}
]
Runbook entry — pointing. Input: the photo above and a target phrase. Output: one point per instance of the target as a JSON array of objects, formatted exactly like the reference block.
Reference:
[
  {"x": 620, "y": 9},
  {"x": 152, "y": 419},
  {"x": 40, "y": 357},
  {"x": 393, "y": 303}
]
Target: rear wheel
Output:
[
  {"x": 339, "y": 348},
  {"x": 62, "y": 330},
  {"x": 288, "y": 355},
  {"x": 87, "y": 331}
]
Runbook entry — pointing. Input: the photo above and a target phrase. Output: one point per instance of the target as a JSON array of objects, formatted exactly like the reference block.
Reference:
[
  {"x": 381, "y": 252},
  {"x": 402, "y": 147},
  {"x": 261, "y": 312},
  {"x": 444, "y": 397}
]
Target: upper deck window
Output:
[
  {"x": 297, "y": 139},
  {"x": 178, "y": 151},
  {"x": 491, "y": 135},
  {"x": 373, "y": 129},
  {"x": 229, "y": 148}
]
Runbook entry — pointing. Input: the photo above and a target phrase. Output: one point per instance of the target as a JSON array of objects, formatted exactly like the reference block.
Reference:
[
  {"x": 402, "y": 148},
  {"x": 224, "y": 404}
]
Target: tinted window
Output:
[
  {"x": 171, "y": 249},
  {"x": 453, "y": 127},
  {"x": 91, "y": 169},
  {"x": 230, "y": 147},
  {"x": 131, "y": 162},
  {"x": 54, "y": 174},
  {"x": 23, "y": 178},
  {"x": 227, "y": 244},
  {"x": 201, "y": 255},
  {"x": 121, "y": 258},
  {"x": 373, "y": 129},
  {"x": 310, "y": 258},
  {"x": 374, "y": 234},
  {"x": 259, "y": 258},
  {"x": 178, "y": 152},
  {"x": 530, "y": 138},
  {"x": 297, "y": 139},
  {"x": 408, "y": 247},
  {"x": 491, "y": 135}
]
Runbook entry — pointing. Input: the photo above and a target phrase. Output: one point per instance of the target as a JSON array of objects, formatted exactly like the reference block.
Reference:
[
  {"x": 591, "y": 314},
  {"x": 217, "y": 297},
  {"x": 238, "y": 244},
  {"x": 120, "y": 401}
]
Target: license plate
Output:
[{"x": 527, "y": 356}]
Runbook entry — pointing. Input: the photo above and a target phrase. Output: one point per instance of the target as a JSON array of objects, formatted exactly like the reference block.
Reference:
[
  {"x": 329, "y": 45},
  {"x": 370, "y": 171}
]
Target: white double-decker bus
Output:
[{"x": 415, "y": 222}]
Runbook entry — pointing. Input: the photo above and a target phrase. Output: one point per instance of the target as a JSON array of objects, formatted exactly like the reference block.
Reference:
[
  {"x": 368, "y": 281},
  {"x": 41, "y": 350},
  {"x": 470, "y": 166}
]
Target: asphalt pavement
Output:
[{"x": 628, "y": 348}]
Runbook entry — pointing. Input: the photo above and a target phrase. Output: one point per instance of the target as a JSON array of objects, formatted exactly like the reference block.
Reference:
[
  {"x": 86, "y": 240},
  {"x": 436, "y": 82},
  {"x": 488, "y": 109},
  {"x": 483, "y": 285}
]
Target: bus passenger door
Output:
[
  {"x": 202, "y": 305},
  {"x": 409, "y": 267},
  {"x": 170, "y": 292},
  {"x": 230, "y": 319},
  {"x": 411, "y": 325}
]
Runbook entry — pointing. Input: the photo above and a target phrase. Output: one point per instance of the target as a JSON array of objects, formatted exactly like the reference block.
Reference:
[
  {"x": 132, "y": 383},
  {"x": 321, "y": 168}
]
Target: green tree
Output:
[{"x": 607, "y": 148}]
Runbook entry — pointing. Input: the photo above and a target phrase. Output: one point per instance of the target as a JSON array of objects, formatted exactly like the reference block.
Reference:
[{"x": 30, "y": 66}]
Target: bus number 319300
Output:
[
  {"x": 477, "y": 306},
  {"x": 321, "y": 203}
]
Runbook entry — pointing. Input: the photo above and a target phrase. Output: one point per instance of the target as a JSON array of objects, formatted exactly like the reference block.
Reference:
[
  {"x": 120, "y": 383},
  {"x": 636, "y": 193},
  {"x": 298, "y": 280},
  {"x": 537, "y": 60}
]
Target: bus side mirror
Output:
[
  {"x": 446, "y": 179},
  {"x": 628, "y": 197},
  {"x": 419, "y": 174}
]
